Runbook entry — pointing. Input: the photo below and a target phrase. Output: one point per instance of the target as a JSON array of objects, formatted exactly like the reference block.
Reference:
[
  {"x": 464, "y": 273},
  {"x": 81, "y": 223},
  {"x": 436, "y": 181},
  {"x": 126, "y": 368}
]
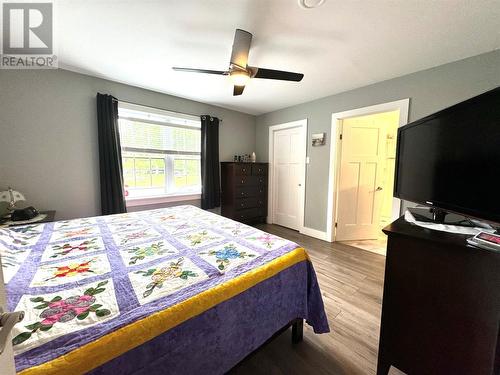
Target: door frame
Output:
[
  {"x": 403, "y": 106},
  {"x": 302, "y": 195}
]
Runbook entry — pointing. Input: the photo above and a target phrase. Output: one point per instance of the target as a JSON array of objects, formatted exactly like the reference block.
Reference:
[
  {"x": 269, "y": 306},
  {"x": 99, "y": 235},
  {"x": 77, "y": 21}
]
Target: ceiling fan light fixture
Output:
[
  {"x": 310, "y": 4},
  {"x": 239, "y": 72},
  {"x": 239, "y": 77}
]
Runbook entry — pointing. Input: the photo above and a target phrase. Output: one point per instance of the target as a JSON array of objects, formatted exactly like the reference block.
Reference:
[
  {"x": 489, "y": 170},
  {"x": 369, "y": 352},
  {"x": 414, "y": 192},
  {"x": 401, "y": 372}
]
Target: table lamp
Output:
[{"x": 11, "y": 196}]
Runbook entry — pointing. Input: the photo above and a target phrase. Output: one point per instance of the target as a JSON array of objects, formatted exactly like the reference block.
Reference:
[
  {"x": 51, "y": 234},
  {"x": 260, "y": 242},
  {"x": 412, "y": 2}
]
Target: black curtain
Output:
[
  {"x": 210, "y": 179},
  {"x": 110, "y": 157}
]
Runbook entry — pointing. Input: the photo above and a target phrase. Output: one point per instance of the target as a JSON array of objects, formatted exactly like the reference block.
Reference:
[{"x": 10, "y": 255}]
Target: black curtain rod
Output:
[{"x": 161, "y": 109}]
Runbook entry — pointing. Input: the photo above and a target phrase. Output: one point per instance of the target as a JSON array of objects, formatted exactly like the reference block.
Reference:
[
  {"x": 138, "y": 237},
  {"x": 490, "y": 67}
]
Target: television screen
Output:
[{"x": 451, "y": 159}]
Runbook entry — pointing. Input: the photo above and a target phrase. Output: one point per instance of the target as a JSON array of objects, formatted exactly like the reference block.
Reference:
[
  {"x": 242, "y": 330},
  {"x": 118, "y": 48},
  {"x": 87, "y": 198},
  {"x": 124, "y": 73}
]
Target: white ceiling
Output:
[{"x": 339, "y": 46}]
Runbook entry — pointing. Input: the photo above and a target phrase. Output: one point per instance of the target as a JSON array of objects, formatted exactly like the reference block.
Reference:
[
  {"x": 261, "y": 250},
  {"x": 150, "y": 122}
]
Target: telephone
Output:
[{"x": 24, "y": 214}]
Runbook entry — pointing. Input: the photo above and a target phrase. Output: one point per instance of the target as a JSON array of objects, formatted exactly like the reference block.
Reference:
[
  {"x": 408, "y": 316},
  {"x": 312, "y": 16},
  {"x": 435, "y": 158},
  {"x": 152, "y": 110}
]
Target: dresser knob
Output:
[{"x": 242, "y": 181}]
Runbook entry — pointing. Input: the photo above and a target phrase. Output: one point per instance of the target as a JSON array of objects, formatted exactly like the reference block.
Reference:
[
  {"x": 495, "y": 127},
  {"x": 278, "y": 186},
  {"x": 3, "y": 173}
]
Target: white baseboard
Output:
[{"x": 315, "y": 233}]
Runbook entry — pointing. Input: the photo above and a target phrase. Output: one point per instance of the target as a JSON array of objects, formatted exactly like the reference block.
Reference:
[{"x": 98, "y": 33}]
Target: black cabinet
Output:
[
  {"x": 441, "y": 304},
  {"x": 244, "y": 191}
]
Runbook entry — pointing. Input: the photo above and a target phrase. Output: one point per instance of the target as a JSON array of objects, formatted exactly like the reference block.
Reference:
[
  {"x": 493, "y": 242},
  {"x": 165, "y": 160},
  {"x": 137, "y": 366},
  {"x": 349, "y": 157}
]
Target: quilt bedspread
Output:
[{"x": 80, "y": 281}]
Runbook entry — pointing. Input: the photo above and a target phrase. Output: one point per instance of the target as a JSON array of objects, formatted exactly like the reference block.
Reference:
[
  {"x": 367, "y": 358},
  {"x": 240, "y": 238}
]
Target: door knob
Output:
[
  {"x": 379, "y": 188},
  {"x": 7, "y": 322}
]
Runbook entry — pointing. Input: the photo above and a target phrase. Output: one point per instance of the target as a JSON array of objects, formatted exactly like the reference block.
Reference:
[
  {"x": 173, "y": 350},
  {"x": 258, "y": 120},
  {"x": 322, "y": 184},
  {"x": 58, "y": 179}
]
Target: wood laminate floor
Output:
[
  {"x": 351, "y": 282},
  {"x": 378, "y": 246}
]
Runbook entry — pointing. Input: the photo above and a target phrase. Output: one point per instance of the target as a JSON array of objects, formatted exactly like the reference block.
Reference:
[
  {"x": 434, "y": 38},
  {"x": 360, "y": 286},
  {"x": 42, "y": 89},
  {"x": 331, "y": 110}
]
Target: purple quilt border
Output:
[{"x": 130, "y": 309}]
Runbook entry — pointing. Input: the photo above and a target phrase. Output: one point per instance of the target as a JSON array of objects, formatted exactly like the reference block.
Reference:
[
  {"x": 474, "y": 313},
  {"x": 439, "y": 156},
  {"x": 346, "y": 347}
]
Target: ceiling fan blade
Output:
[
  {"x": 241, "y": 46},
  {"x": 238, "y": 90},
  {"x": 207, "y": 71},
  {"x": 276, "y": 74}
]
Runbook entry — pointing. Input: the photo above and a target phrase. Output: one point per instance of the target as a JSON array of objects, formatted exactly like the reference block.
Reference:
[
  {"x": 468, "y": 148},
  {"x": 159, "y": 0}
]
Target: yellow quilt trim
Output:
[{"x": 114, "y": 344}]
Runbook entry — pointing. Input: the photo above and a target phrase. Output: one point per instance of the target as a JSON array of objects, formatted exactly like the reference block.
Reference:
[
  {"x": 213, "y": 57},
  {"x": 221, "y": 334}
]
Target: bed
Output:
[{"x": 175, "y": 290}]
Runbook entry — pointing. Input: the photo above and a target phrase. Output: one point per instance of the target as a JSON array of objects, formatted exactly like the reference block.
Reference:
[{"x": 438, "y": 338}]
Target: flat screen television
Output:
[{"x": 450, "y": 160}]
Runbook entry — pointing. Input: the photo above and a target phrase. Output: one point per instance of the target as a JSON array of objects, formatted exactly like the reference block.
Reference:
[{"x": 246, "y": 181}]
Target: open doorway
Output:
[{"x": 363, "y": 162}]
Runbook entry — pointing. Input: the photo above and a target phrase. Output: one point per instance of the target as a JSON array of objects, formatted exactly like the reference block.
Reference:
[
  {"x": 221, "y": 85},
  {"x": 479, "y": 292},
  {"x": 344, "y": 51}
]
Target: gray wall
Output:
[
  {"x": 48, "y": 135},
  {"x": 196, "y": 203},
  {"x": 428, "y": 90}
]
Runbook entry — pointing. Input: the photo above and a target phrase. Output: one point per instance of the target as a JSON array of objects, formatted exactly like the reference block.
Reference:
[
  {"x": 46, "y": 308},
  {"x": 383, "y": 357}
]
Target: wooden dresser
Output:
[
  {"x": 441, "y": 307},
  {"x": 244, "y": 191}
]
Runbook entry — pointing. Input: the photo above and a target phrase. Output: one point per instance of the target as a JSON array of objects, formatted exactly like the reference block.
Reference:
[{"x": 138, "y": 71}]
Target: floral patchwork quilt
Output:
[{"x": 78, "y": 280}]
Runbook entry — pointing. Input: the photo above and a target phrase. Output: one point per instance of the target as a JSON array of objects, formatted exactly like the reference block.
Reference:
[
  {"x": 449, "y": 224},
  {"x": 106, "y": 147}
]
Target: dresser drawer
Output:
[
  {"x": 261, "y": 201},
  {"x": 260, "y": 180},
  {"x": 250, "y": 180},
  {"x": 242, "y": 169},
  {"x": 244, "y": 203},
  {"x": 261, "y": 191},
  {"x": 251, "y": 202},
  {"x": 251, "y": 191},
  {"x": 245, "y": 180},
  {"x": 247, "y": 214},
  {"x": 259, "y": 170},
  {"x": 246, "y": 191}
]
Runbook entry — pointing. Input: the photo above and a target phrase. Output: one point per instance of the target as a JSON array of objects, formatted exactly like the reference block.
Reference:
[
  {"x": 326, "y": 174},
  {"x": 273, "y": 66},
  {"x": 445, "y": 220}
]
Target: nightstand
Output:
[{"x": 44, "y": 217}]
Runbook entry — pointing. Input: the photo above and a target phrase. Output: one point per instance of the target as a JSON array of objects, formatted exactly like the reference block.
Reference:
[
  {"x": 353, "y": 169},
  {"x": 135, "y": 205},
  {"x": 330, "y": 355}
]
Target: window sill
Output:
[{"x": 131, "y": 202}]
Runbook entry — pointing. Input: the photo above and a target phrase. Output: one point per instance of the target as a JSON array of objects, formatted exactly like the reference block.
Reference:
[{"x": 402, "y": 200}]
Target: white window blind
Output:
[{"x": 160, "y": 152}]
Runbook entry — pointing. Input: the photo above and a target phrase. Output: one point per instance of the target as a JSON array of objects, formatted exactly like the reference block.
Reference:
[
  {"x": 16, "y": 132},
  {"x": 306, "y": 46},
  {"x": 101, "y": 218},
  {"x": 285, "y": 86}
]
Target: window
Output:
[{"x": 160, "y": 152}]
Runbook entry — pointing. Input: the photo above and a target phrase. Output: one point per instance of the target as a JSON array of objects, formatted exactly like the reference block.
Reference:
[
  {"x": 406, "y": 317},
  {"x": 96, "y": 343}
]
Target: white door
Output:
[
  {"x": 7, "y": 357},
  {"x": 288, "y": 176},
  {"x": 360, "y": 178}
]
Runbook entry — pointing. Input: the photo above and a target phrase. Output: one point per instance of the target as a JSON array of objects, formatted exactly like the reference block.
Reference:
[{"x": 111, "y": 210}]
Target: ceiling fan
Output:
[{"x": 239, "y": 71}]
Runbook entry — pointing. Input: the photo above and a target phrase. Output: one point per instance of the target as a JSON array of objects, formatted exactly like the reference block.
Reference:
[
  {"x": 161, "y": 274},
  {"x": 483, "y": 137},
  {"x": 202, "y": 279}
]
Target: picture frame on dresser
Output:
[{"x": 244, "y": 189}]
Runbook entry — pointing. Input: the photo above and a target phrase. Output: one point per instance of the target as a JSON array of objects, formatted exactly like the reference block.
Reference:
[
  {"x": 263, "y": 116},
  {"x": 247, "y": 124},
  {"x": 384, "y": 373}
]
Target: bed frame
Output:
[{"x": 297, "y": 337}]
